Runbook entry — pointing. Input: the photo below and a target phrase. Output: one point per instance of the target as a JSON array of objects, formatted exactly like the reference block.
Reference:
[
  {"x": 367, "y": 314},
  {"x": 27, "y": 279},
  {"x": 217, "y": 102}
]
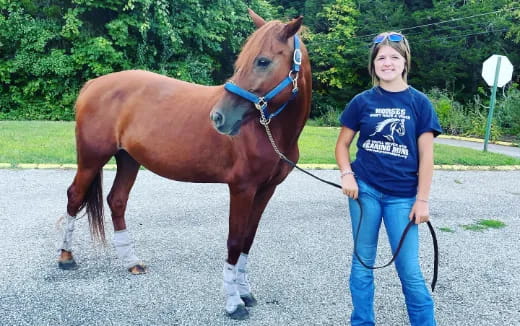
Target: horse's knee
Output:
[
  {"x": 117, "y": 204},
  {"x": 74, "y": 201}
]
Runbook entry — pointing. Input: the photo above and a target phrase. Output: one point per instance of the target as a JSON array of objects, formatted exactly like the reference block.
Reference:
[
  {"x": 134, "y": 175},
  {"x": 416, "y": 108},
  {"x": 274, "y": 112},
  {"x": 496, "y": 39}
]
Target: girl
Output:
[{"x": 391, "y": 175}]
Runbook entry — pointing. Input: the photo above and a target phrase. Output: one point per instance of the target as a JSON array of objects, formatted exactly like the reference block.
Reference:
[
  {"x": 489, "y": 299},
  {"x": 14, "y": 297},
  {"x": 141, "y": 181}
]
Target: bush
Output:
[
  {"x": 477, "y": 114},
  {"x": 508, "y": 112},
  {"x": 471, "y": 119},
  {"x": 451, "y": 113},
  {"x": 328, "y": 118}
]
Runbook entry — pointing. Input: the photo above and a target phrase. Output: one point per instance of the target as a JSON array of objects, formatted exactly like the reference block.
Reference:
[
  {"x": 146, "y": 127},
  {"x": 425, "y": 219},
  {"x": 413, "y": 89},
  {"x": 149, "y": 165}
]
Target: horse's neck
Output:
[{"x": 287, "y": 127}]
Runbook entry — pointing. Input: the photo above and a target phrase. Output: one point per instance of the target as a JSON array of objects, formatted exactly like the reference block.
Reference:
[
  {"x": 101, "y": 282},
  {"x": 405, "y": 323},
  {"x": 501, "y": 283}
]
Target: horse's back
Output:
[
  {"x": 138, "y": 89},
  {"x": 112, "y": 101}
]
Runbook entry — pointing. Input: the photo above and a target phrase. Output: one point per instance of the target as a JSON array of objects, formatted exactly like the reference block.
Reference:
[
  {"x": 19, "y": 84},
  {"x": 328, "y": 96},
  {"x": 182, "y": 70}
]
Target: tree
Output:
[
  {"x": 332, "y": 50},
  {"x": 50, "y": 49}
]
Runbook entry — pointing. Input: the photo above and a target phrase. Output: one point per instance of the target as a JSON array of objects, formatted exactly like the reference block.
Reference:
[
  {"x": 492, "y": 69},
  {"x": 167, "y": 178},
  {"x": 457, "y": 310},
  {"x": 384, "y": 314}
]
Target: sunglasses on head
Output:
[{"x": 392, "y": 37}]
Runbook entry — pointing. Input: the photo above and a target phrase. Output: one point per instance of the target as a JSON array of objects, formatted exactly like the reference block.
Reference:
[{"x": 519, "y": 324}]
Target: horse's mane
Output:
[{"x": 383, "y": 123}]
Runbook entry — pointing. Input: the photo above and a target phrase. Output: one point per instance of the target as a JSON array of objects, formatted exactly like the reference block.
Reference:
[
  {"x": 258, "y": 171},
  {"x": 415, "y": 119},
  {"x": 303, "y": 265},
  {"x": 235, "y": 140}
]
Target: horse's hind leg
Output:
[
  {"x": 127, "y": 169},
  {"x": 86, "y": 186}
]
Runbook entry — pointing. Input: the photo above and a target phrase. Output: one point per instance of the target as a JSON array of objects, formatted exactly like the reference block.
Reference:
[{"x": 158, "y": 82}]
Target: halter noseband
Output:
[{"x": 261, "y": 102}]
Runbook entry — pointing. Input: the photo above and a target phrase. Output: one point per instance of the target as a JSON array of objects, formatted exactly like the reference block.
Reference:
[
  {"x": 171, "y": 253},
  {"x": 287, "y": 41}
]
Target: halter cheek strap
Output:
[{"x": 261, "y": 102}]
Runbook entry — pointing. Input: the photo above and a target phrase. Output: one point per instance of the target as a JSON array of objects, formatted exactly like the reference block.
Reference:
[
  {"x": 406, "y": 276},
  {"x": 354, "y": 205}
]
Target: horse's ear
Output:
[
  {"x": 259, "y": 21},
  {"x": 292, "y": 27}
]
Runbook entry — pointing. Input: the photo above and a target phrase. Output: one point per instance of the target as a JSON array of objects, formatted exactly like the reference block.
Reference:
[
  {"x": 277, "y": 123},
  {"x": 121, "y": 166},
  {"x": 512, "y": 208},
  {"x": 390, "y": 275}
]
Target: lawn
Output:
[
  {"x": 317, "y": 146},
  {"x": 53, "y": 142},
  {"x": 37, "y": 142}
]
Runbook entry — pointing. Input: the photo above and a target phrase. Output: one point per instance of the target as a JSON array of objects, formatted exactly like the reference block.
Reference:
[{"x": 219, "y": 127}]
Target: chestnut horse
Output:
[{"x": 194, "y": 133}]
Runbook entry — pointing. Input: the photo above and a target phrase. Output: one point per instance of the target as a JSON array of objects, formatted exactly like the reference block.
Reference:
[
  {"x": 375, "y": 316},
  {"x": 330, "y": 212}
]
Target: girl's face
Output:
[{"x": 389, "y": 65}]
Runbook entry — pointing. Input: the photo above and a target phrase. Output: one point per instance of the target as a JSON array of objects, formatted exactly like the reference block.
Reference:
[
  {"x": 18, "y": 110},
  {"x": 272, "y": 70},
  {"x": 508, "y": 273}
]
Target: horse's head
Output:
[{"x": 266, "y": 60}]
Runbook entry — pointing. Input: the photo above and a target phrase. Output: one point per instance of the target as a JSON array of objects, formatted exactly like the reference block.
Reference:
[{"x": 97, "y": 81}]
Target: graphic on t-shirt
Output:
[{"x": 391, "y": 127}]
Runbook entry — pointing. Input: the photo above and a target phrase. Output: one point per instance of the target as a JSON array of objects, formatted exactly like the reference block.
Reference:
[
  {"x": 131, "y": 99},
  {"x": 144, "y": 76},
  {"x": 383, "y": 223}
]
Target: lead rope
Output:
[{"x": 265, "y": 122}]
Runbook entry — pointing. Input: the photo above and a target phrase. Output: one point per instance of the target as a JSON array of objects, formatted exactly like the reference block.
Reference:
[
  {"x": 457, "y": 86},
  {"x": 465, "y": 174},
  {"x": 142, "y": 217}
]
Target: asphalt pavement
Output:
[{"x": 299, "y": 263}]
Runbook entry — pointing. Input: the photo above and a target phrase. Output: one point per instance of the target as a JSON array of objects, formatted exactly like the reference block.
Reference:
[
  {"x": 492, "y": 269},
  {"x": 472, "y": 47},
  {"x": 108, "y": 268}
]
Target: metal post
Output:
[{"x": 492, "y": 104}]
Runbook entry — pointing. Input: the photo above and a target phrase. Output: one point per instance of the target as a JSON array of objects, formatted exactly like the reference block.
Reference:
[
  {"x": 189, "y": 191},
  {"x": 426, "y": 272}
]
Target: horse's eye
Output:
[{"x": 263, "y": 62}]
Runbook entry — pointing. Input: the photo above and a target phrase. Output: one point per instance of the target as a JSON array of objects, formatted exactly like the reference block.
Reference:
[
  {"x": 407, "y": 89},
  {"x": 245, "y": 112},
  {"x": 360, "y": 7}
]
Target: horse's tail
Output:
[{"x": 94, "y": 203}]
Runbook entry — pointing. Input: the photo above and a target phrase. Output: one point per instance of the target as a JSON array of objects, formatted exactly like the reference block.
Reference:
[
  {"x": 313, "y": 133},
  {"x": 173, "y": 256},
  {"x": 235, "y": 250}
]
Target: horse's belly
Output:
[
  {"x": 183, "y": 158},
  {"x": 184, "y": 171}
]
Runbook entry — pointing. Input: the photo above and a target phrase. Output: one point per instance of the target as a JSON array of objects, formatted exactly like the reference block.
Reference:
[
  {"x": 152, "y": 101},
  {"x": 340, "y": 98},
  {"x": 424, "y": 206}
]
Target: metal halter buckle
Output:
[
  {"x": 297, "y": 56},
  {"x": 261, "y": 103}
]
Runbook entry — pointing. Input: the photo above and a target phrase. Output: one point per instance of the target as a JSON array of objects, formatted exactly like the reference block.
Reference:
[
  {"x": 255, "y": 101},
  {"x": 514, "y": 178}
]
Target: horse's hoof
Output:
[
  {"x": 240, "y": 313},
  {"x": 249, "y": 300},
  {"x": 138, "y": 269},
  {"x": 68, "y": 265}
]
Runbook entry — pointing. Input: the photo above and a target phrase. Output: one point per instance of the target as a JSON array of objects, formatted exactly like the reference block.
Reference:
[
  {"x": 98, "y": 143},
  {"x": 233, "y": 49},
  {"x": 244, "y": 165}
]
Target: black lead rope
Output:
[{"x": 401, "y": 241}]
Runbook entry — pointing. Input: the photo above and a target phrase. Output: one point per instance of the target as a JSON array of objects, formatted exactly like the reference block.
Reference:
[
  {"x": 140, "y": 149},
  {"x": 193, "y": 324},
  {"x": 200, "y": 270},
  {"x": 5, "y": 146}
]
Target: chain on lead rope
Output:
[{"x": 265, "y": 122}]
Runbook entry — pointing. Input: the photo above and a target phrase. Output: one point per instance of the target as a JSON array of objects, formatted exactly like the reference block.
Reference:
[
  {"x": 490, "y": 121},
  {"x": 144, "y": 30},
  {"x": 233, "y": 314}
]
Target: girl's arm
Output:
[
  {"x": 348, "y": 182},
  {"x": 421, "y": 208}
]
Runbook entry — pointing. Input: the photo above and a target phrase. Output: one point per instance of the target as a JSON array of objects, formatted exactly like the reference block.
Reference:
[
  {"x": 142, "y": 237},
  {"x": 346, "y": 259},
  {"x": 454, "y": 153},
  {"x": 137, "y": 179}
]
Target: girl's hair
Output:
[{"x": 401, "y": 46}]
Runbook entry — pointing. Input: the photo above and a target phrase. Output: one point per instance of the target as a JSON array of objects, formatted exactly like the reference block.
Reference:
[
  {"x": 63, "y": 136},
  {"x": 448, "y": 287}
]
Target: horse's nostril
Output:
[{"x": 217, "y": 118}]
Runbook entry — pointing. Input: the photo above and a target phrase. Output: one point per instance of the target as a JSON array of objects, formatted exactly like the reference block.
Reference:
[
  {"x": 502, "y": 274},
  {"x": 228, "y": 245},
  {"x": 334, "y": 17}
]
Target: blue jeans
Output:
[{"x": 394, "y": 212}]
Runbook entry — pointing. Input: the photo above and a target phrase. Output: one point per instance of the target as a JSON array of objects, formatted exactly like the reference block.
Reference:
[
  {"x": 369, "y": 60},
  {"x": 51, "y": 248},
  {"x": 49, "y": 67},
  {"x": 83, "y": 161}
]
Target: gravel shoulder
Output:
[{"x": 299, "y": 263}]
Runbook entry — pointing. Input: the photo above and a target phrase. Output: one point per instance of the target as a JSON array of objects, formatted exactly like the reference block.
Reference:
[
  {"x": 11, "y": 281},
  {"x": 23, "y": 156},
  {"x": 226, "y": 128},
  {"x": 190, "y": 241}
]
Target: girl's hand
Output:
[
  {"x": 421, "y": 211},
  {"x": 349, "y": 186}
]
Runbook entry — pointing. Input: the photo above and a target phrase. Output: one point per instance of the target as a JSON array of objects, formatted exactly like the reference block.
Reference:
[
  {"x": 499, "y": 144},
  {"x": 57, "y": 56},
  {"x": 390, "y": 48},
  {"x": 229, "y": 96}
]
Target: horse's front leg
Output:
[
  {"x": 260, "y": 201},
  {"x": 241, "y": 200}
]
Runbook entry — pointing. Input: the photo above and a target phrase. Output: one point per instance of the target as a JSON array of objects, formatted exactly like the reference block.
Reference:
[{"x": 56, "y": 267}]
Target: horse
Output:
[{"x": 194, "y": 133}]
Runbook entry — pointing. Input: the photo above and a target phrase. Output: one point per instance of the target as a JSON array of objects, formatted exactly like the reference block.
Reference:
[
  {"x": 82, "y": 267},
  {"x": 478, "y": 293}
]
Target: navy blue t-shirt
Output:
[{"x": 389, "y": 124}]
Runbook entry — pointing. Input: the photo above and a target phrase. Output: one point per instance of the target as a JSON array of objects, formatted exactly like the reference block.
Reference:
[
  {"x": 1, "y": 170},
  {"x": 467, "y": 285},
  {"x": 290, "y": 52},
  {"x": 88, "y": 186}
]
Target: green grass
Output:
[
  {"x": 317, "y": 146},
  {"x": 446, "y": 229},
  {"x": 446, "y": 154},
  {"x": 482, "y": 225},
  {"x": 37, "y": 142},
  {"x": 53, "y": 142}
]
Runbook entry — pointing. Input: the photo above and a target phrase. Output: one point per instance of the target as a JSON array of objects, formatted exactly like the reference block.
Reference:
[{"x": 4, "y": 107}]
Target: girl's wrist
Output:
[
  {"x": 423, "y": 200},
  {"x": 346, "y": 172}
]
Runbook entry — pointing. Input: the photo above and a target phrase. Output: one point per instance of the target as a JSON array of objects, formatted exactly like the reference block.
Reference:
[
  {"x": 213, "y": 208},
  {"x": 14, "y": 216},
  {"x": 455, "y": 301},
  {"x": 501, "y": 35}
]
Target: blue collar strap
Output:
[{"x": 261, "y": 102}]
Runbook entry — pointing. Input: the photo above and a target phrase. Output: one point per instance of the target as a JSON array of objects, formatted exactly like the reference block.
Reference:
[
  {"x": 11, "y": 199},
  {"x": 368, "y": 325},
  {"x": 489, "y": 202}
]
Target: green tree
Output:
[
  {"x": 50, "y": 49},
  {"x": 448, "y": 52},
  {"x": 331, "y": 50}
]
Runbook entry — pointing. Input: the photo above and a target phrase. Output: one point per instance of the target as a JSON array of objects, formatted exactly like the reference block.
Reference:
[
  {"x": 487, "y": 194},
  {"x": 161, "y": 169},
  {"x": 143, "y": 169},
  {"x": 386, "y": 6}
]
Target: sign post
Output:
[{"x": 497, "y": 71}]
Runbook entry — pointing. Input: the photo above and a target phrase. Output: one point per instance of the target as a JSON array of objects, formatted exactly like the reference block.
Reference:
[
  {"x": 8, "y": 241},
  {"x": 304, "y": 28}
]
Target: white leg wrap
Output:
[
  {"x": 67, "y": 227},
  {"x": 230, "y": 289},
  {"x": 125, "y": 249},
  {"x": 243, "y": 285}
]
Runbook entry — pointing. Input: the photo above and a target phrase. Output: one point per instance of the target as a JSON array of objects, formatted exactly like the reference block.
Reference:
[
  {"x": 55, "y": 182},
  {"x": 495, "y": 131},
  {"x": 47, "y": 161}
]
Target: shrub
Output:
[
  {"x": 328, "y": 118},
  {"x": 477, "y": 113},
  {"x": 508, "y": 111},
  {"x": 451, "y": 113}
]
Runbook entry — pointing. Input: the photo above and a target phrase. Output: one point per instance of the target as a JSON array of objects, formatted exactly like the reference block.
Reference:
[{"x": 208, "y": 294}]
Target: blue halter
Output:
[{"x": 261, "y": 102}]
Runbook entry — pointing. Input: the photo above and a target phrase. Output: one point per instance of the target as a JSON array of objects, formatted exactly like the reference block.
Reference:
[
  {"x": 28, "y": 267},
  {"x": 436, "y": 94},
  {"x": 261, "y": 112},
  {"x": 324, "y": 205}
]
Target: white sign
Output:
[{"x": 489, "y": 68}]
